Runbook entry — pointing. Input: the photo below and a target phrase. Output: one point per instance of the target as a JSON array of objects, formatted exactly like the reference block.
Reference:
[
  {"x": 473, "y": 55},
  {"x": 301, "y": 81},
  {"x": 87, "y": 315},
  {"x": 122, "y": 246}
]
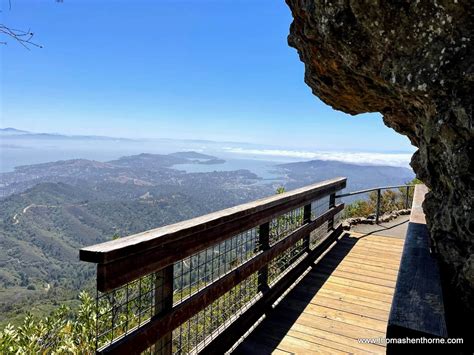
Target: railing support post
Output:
[
  {"x": 163, "y": 304},
  {"x": 407, "y": 197},
  {"x": 332, "y": 203},
  {"x": 264, "y": 243},
  {"x": 377, "y": 212},
  {"x": 145, "y": 265},
  {"x": 306, "y": 219}
]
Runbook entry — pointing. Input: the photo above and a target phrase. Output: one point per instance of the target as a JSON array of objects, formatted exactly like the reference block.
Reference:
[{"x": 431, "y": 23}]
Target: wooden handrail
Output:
[
  {"x": 145, "y": 336},
  {"x": 157, "y": 251},
  {"x": 125, "y": 259}
]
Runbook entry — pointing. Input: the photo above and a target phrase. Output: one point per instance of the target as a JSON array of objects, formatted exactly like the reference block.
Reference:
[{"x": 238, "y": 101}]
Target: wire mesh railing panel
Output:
[
  {"x": 318, "y": 235},
  {"x": 318, "y": 207},
  {"x": 277, "y": 267},
  {"x": 199, "y": 270},
  {"x": 389, "y": 200},
  {"x": 283, "y": 225},
  {"x": 188, "y": 303},
  {"x": 409, "y": 196},
  {"x": 338, "y": 218},
  {"x": 124, "y": 309},
  {"x": 207, "y": 324}
]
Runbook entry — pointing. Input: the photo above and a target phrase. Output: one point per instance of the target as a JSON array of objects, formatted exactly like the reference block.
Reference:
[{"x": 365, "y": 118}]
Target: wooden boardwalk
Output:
[{"x": 346, "y": 295}]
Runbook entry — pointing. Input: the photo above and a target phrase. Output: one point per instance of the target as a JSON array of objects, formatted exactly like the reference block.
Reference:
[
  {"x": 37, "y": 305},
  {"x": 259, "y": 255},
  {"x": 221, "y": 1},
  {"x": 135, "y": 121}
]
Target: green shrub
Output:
[
  {"x": 63, "y": 332},
  {"x": 390, "y": 200}
]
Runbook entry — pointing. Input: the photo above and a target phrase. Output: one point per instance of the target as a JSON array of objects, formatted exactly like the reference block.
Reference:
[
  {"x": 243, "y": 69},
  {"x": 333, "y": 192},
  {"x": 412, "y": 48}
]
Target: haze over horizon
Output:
[
  {"x": 409, "y": 149},
  {"x": 22, "y": 147}
]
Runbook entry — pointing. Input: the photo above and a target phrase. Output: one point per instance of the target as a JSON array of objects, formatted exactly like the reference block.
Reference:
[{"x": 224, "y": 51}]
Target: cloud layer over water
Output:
[{"x": 362, "y": 158}]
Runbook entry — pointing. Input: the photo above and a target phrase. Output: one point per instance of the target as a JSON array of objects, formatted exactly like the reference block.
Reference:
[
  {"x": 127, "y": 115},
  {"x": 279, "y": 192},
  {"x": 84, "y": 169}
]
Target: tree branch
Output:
[{"x": 22, "y": 37}]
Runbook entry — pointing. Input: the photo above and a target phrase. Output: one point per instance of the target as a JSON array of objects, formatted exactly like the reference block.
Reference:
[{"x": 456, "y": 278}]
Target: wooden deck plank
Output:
[
  {"x": 254, "y": 346},
  {"x": 388, "y": 248},
  {"x": 358, "y": 271},
  {"x": 355, "y": 263},
  {"x": 368, "y": 252},
  {"x": 299, "y": 346},
  {"x": 356, "y": 276},
  {"x": 346, "y": 296},
  {"x": 318, "y": 337},
  {"x": 381, "y": 238},
  {"x": 360, "y": 249},
  {"x": 353, "y": 283},
  {"x": 356, "y": 299},
  {"x": 264, "y": 344},
  {"x": 375, "y": 244},
  {"x": 339, "y": 339},
  {"x": 341, "y": 316},
  {"x": 375, "y": 296},
  {"x": 392, "y": 243},
  {"x": 362, "y": 261},
  {"x": 343, "y": 305},
  {"x": 376, "y": 250},
  {"x": 371, "y": 260},
  {"x": 377, "y": 239},
  {"x": 337, "y": 327},
  {"x": 366, "y": 249},
  {"x": 366, "y": 257},
  {"x": 321, "y": 341}
]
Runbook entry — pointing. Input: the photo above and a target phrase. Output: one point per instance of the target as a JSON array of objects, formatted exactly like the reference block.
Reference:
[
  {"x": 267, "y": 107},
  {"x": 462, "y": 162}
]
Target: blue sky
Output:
[{"x": 202, "y": 69}]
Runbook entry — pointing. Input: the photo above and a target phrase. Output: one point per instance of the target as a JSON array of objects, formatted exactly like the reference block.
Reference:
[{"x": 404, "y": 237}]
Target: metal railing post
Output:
[
  {"x": 332, "y": 203},
  {"x": 377, "y": 212},
  {"x": 407, "y": 197},
  {"x": 264, "y": 243},
  {"x": 163, "y": 304},
  {"x": 307, "y": 219}
]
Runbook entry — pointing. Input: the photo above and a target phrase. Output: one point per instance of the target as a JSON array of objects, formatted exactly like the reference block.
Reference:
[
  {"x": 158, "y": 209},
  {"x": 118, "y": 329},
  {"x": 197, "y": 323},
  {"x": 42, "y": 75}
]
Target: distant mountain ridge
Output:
[
  {"x": 70, "y": 171},
  {"x": 192, "y": 155},
  {"x": 13, "y": 131},
  {"x": 358, "y": 176}
]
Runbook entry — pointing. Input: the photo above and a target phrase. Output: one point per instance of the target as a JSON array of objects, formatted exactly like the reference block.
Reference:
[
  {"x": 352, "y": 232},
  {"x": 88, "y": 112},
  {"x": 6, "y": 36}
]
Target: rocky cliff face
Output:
[{"x": 412, "y": 61}]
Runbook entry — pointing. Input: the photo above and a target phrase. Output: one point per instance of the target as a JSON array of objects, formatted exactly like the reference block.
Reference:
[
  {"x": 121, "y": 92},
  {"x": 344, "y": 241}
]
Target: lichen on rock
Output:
[{"x": 413, "y": 62}]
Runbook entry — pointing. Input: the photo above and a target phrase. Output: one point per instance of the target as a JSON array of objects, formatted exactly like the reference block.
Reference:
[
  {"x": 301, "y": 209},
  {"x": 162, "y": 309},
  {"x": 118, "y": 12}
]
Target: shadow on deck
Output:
[
  {"x": 345, "y": 295},
  {"x": 397, "y": 228}
]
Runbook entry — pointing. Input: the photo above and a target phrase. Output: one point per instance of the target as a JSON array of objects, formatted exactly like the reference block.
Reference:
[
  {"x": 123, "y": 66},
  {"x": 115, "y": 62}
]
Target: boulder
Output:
[{"x": 413, "y": 62}]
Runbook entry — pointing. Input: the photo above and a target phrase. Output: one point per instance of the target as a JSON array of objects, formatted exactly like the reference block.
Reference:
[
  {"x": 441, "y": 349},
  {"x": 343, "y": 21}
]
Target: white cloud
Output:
[{"x": 392, "y": 159}]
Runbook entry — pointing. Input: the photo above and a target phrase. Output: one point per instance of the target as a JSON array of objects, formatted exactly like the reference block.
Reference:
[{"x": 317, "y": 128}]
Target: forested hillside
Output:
[
  {"x": 43, "y": 227},
  {"x": 51, "y": 210}
]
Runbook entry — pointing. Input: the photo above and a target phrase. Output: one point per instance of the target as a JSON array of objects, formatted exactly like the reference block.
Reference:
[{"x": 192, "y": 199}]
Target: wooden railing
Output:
[
  {"x": 379, "y": 196},
  {"x": 199, "y": 285}
]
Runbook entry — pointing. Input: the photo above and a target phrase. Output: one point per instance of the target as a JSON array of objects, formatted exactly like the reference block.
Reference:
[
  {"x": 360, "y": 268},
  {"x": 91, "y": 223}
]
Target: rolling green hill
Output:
[{"x": 42, "y": 227}]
